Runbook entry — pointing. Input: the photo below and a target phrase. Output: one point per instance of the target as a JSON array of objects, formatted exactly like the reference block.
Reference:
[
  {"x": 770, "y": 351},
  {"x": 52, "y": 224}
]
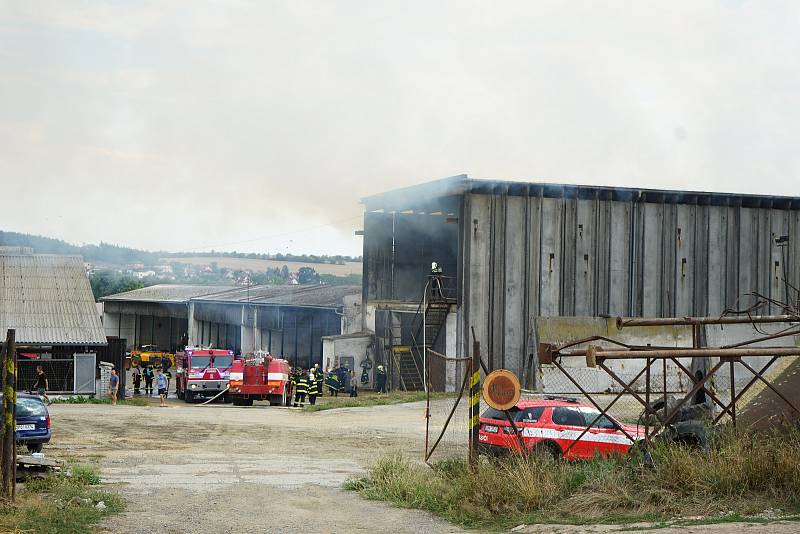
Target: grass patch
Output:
[
  {"x": 88, "y": 399},
  {"x": 370, "y": 398},
  {"x": 60, "y": 504},
  {"x": 741, "y": 477}
]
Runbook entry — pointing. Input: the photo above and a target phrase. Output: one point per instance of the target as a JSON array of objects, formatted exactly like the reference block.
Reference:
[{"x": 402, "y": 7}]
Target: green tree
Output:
[
  {"x": 307, "y": 275},
  {"x": 106, "y": 283}
]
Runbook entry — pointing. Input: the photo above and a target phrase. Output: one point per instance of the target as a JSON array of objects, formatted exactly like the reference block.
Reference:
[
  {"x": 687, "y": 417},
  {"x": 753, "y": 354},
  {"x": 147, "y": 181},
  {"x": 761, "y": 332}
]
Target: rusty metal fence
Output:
[{"x": 657, "y": 387}]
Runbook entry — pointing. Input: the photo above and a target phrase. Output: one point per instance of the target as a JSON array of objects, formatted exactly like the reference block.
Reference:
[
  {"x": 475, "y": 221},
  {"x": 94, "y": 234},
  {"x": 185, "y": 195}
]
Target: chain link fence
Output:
[
  {"x": 60, "y": 374},
  {"x": 447, "y": 415}
]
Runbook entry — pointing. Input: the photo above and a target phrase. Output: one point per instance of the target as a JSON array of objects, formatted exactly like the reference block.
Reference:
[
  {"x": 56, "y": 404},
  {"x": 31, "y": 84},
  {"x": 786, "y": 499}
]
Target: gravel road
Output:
[{"x": 219, "y": 468}]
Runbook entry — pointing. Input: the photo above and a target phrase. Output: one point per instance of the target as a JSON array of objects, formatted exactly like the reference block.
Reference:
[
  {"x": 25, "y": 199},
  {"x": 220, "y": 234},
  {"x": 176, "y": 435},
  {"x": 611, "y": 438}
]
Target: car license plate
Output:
[{"x": 26, "y": 427}]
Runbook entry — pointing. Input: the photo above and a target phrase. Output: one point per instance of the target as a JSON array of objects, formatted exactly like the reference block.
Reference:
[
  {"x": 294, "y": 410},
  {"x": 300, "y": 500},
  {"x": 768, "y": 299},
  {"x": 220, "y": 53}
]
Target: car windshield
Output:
[
  {"x": 590, "y": 414},
  {"x": 200, "y": 361},
  {"x": 30, "y": 407},
  {"x": 529, "y": 415},
  {"x": 491, "y": 413},
  {"x": 223, "y": 361},
  {"x": 520, "y": 415},
  {"x": 205, "y": 361}
]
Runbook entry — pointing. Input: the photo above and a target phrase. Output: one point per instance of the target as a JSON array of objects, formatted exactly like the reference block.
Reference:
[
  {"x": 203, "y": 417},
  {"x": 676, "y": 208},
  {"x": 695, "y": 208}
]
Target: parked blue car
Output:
[{"x": 33, "y": 422}]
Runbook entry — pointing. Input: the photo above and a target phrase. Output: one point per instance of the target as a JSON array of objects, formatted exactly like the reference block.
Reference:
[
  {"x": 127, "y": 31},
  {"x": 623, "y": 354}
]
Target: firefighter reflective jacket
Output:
[
  {"x": 313, "y": 387},
  {"x": 302, "y": 385}
]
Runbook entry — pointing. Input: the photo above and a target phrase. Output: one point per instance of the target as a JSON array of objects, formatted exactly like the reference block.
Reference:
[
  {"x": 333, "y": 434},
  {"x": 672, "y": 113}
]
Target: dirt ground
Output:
[{"x": 219, "y": 468}]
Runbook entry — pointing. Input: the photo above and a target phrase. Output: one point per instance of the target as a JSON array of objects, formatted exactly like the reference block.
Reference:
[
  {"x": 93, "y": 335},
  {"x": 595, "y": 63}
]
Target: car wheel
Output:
[
  {"x": 189, "y": 396},
  {"x": 547, "y": 450},
  {"x": 35, "y": 447}
]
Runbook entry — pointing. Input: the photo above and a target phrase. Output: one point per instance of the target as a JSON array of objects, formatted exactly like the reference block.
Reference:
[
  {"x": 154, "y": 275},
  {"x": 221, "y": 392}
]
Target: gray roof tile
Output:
[{"x": 48, "y": 300}]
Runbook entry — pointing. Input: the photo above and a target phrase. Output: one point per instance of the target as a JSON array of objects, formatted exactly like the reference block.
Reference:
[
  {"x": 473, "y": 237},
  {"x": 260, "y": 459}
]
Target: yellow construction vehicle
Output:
[{"x": 150, "y": 355}]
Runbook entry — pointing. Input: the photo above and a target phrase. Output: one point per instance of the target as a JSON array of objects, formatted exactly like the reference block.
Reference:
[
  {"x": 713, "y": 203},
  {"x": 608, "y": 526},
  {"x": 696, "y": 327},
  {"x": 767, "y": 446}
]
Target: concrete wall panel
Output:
[
  {"x": 652, "y": 263},
  {"x": 620, "y": 246},
  {"x": 716, "y": 274},
  {"x": 585, "y": 259},
  {"x": 748, "y": 252},
  {"x": 478, "y": 226},
  {"x": 551, "y": 257},
  {"x": 779, "y": 226},
  {"x": 499, "y": 257},
  {"x": 514, "y": 318},
  {"x": 529, "y": 256},
  {"x": 685, "y": 260}
]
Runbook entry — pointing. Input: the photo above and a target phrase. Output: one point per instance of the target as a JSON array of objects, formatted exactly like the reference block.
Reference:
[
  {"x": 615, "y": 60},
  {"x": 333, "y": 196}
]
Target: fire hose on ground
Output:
[{"x": 215, "y": 397}]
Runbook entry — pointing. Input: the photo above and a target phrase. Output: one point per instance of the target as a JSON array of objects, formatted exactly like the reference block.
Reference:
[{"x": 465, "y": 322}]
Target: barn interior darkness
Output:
[{"x": 401, "y": 243}]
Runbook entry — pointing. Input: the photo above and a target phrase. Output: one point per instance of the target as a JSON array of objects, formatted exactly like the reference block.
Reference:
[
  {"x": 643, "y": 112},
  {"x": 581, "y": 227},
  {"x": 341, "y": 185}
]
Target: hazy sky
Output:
[{"x": 257, "y": 126}]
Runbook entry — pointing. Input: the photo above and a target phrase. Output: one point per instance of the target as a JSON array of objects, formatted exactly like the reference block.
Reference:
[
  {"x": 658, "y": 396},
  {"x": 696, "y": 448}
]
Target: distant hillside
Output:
[
  {"x": 251, "y": 264},
  {"x": 113, "y": 254},
  {"x": 92, "y": 253}
]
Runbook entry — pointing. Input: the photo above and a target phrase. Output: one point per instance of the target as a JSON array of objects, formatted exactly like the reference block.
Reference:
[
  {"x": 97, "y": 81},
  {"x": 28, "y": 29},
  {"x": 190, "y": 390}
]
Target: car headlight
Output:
[{"x": 194, "y": 386}]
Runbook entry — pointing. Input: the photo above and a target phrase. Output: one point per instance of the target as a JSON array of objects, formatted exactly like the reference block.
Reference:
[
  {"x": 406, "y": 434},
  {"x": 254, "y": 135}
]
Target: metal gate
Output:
[{"x": 85, "y": 373}]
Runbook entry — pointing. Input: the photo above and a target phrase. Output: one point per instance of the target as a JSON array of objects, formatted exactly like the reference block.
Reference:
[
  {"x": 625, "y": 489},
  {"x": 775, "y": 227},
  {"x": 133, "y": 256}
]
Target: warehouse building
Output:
[
  {"x": 48, "y": 301},
  {"x": 512, "y": 252},
  {"x": 289, "y": 320}
]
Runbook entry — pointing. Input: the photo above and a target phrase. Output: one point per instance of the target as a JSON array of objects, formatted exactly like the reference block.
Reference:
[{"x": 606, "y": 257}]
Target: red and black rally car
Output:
[{"x": 551, "y": 425}]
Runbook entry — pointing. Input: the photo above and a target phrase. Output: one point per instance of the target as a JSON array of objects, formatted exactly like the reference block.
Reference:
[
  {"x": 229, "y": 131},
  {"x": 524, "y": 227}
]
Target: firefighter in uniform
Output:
[
  {"x": 333, "y": 383},
  {"x": 436, "y": 281},
  {"x": 381, "y": 379},
  {"x": 148, "y": 374},
  {"x": 301, "y": 389},
  {"x": 313, "y": 387},
  {"x": 319, "y": 377}
]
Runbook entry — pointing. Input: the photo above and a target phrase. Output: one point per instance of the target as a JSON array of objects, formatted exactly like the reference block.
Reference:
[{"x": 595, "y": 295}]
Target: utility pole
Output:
[{"x": 7, "y": 436}]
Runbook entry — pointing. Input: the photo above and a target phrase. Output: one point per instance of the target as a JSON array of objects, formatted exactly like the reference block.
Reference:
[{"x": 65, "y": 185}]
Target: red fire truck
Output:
[
  {"x": 260, "y": 377},
  {"x": 202, "y": 372}
]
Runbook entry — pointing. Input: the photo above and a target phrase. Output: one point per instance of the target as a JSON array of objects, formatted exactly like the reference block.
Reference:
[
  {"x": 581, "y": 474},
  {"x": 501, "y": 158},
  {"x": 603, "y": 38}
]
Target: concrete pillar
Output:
[
  {"x": 246, "y": 325},
  {"x": 194, "y": 327},
  {"x": 257, "y": 344}
]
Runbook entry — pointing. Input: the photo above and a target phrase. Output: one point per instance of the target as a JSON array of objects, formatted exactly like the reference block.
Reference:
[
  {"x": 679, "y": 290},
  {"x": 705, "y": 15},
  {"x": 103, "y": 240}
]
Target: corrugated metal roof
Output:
[
  {"x": 315, "y": 296},
  {"x": 48, "y": 300},
  {"x": 176, "y": 293},
  {"x": 409, "y": 197}
]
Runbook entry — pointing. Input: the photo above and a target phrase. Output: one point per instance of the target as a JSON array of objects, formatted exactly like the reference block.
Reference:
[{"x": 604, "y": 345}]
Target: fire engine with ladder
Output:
[{"x": 260, "y": 376}]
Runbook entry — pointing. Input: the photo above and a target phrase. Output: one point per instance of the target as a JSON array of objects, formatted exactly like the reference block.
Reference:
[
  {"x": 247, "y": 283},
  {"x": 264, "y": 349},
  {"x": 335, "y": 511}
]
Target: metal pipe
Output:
[
  {"x": 687, "y": 321},
  {"x": 659, "y": 354}
]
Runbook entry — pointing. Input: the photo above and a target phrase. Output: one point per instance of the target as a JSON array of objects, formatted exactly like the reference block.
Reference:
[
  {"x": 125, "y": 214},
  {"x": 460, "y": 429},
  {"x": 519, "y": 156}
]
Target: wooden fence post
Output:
[{"x": 9, "y": 445}]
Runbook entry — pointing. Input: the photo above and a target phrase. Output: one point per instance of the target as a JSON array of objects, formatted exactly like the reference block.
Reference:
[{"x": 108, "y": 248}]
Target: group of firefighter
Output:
[
  {"x": 309, "y": 384},
  {"x": 143, "y": 371}
]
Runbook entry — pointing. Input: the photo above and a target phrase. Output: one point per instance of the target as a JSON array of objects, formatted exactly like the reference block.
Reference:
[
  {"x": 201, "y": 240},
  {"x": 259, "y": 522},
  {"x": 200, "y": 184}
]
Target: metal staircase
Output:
[{"x": 428, "y": 323}]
